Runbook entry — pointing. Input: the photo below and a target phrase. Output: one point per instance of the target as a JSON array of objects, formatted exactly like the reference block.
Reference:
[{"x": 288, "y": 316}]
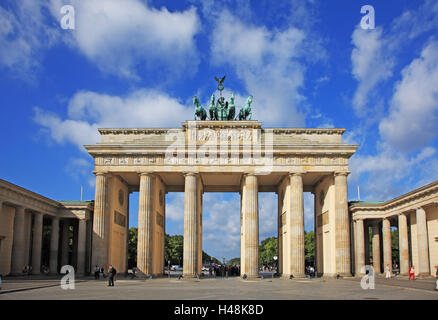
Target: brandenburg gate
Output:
[{"x": 222, "y": 156}]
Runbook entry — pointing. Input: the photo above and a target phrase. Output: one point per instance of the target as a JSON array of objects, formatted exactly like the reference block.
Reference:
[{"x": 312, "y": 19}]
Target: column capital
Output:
[
  {"x": 341, "y": 173},
  {"x": 190, "y": 173},
  {"x": 100, "y": 173},
  {"x": 401, "y": 214},
  {"x": 296, "y": 173},
  {"x": 145, "y": 173},
  {"x": 245, "y": 174}
]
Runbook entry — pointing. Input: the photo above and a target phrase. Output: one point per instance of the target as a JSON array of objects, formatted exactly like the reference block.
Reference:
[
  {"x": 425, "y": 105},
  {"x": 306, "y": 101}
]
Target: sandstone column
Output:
[
  {"x": 342, "y": 225},
  {"x": 17, "y": 261},
  {"x": 403, "y": 244},
  {"x": 82, "y": 238},
  {"x": 37, "y": 240},
  {"x": 100, "y": 223},
  {"x": 145, "y": 225},
  {"x": 387, "y": 244},
  {"x": 65, "y": 243},
  {"x": 422, "y": 243},
  {"x": 250, "y": 220},
  {"x": 376, "y": 248},
  {"x": 191, "y": 225},
  {"x": 296, "y": 227},
  {"x": 54, "y": 242},
  {"x": 360, "y": 247},
  {"x": 367, "y": 242}
]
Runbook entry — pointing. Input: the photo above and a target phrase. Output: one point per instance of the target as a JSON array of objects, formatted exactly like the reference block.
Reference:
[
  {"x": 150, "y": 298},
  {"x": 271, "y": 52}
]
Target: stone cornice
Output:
[
  {"x": 19, "y": 196},
  {"x": 221, "y": 125},
  {"x": 338, "y": 131},
  {"x": 424, "y": 196},
  {"x": 125, "y": 131}
]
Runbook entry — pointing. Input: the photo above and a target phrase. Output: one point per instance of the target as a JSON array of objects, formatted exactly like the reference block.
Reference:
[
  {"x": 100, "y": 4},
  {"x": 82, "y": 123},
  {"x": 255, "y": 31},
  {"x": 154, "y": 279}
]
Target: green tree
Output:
[
  {"x": 173, "y": 249},
  {"x": 132, "y": 247},
  {"x": 267, "y": 250},
  {"x": 234, "y": 262},
  {"x": 309, "y": 245}
]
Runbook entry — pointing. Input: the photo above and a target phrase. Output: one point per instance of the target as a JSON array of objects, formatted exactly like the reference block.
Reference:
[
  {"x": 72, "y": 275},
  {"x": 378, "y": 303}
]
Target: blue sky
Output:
[{"x": 138, "y": 63}]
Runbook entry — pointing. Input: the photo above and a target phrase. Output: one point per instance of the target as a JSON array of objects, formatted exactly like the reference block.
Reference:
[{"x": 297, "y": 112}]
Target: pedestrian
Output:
[
  {"x": 411, "y": 272},
  {"x": 96, "y": 272},
  {"x": 436, "y": 276},
  {"x": 1, "y": 279},
  {"x": 102, "y": 273},
  {"x": 134, "y": 270},
  {"x": 388, "y": 271},
  {"x": 111, "y": 274}
]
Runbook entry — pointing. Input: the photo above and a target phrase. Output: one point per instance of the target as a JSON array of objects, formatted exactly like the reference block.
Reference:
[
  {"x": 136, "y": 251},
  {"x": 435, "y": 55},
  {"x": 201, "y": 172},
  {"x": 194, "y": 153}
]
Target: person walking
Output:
[
  {"x": 111, "y": 274},
  {"x": 388, "y": 272},
  {"x": 411, "y": 272},
  {"x": 96, "y": 272},
  {"x": 1, "y": 280},
  {"x": 436, "y": 276}
]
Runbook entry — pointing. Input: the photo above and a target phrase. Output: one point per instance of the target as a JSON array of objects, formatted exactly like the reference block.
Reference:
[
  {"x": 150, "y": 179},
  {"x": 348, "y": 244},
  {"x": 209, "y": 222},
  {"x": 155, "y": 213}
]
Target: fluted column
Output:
[
  {"x": 403, "y": 244},
  {"x": 145, "y": 225},
  {"x": 191, "y": 224},
  {"x": 82, "y": 238},
  {"x": 376, "y": 248},
  {"x": 65, "y": 243},
  {"x": 250, "y": 222},
  {"x": 54, "y": 242},
  {"x": 360, "y": 247},
  {"x": 342, "y": 225},
  {"x": 37, "y": 240},
  {"x": 422, "y": 243},
  {"x": 296, "y": 227},
  {"x": 387, "y": 244},
  {"x": 17, "y": 261},
  {"x": 100, "y": 223}
]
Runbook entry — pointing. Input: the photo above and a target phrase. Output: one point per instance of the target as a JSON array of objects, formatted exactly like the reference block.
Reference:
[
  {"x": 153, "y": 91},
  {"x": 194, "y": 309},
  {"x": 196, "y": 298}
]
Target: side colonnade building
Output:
[
  {"x": 36, "y": 231},
  {"x": 414, "y": 215}
]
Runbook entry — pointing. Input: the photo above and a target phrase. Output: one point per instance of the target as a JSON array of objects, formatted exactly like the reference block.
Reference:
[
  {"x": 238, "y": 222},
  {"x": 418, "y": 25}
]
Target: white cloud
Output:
[
  {"x": 268, "y": 63},
  {"x": 120, "y": 35},
  {"x": 370, "y": 66},
  {"x": 88, "y": 111},
  {"x": 221, "y": 224},
  {"x": 23, "y": 34},
  {"x": 382, "y": 173},
  {"x": 413, "y": 23},
  {"x": 175, "y": 207},
  {"x": 412, "y": 120}
]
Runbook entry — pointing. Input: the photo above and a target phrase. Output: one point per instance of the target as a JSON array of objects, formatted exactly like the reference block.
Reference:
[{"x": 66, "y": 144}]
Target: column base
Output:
[
  {"x": 251, "y": 277},
  {"x": 295, "y": 276}
]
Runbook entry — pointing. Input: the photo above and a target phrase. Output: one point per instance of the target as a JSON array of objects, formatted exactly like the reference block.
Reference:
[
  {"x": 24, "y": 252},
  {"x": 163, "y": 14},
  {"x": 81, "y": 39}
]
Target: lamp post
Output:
[
  {"x": 276, "y": 265},
  {"x": 224, "y": 269}
]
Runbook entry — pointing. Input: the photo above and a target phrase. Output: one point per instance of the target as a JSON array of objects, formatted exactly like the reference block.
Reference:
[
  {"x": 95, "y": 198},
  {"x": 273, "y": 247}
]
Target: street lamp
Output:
[{"x": 276, "y": 265}]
